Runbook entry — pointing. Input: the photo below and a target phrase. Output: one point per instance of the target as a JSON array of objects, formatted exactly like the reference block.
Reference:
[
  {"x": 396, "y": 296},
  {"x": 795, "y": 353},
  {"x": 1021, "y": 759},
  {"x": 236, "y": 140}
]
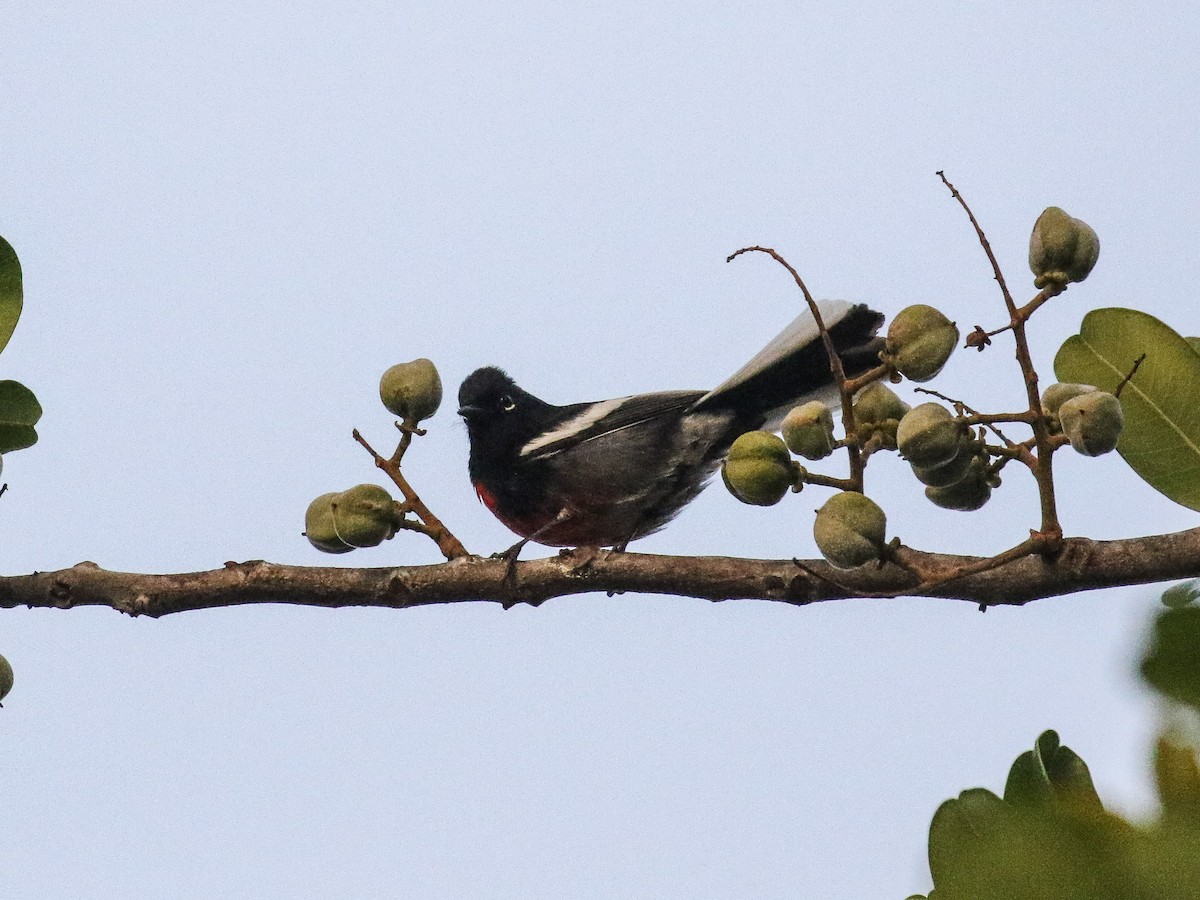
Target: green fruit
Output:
[
  {"x": 1093, "y": 422},
  {"x": 877, "y": 403},
  {"x": 411, "y": 390},
  {"x": 850, "y": 530},
  {"x": 929, "y": 435},
  {"x": 1061, "y": 249},
  {"x": 758, "y": 469},
  {"x": 877, "y": 413},
  {"x": 949, "y": 472},
  {"x": 919, "y": 340},
  {"x": 364, "y": 515},
  {"x": 318, "y": 526},
  {"x": 967, "y": 494},
  {"x": 6, "y": 677},
  {"x": 1059, "y": 393},
  {"x": 808, "y": 430}
]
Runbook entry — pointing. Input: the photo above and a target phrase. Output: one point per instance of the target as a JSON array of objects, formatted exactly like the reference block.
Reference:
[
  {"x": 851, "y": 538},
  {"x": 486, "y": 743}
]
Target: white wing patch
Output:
[{"x": 572, "y": 427}]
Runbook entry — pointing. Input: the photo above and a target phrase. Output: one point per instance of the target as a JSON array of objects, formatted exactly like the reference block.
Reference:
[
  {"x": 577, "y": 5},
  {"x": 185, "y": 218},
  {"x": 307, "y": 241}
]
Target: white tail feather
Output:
[{"x": 801, "y": 331}]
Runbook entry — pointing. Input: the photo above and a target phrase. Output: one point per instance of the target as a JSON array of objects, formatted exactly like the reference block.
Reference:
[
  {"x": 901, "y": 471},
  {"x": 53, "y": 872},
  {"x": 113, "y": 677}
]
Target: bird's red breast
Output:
[
  {"x": 572, "y": 531},
  {"x": 521, "y": 526}
]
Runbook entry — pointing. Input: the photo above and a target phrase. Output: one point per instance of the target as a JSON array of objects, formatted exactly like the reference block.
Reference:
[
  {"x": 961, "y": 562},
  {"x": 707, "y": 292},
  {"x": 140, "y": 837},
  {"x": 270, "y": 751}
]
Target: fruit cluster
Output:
[{"x": 946, "y": 449}]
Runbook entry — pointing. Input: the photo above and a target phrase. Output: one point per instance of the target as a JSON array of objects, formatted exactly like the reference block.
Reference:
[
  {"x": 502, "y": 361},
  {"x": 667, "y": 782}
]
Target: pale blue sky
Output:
[{"x": 234, "y": 217}]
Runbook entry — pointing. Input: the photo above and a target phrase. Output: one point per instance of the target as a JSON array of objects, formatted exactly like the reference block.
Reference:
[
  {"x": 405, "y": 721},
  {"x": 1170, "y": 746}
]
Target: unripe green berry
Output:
[
  {"x": 919, "y": 340},
  {"x": 6, "y": 677},
  {"x": 758, "y": 469},
  {"x": 1093, "y": 422},
  {"x": 850, "y": 530},
  {"x": 364, "y": 515},
  {"x": 877, "y": 413},
  {"x": 1059, "y": 393},
  {"x": 411, "y": 390},
  {"x": 808, "y": 430},
  {"x": 1061, "y": 249},
  {"x": 968, "y": 493},
  {"x": 877, "y": 403},
  {"x": 949, "y": 472},
  {"x": 929, "y": 435},
  {"x": 319, "y": 528}
]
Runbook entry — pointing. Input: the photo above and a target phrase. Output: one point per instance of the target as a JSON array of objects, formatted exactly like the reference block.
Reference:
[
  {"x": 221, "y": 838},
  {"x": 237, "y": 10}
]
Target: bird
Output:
[{"x": 603, "y": 474}]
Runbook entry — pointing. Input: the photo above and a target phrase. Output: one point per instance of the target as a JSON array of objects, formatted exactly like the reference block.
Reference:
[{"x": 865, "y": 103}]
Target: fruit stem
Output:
[{"x": 450, "y": 546}]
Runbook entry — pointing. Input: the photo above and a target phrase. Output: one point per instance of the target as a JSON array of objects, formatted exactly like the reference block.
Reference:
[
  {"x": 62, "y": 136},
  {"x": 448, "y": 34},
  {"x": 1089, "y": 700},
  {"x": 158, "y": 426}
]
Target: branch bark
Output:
[{"x": 1082, "y": 565}]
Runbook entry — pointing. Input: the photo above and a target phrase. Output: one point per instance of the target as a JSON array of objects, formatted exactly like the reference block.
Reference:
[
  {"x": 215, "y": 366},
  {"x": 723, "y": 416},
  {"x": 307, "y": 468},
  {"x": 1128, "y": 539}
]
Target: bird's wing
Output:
[{"x": 588, "y": 421}]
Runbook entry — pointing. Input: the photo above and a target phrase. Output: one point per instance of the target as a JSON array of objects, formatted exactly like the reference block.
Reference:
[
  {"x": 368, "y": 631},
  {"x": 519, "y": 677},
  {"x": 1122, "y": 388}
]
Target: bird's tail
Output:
[{"x": 794, "y": 367}]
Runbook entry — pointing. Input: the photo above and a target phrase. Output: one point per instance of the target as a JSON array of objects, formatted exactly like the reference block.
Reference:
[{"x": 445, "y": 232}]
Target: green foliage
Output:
[
  {"x": 10, "y": 291},
  {"x": 19, "y": 409},
  {"x": 1181, "y": 594},
  {"x": 1172, "y": 664},
  {"x": 1178, "y": 777},
  {"x": 1050, "y": 836},
  {"x": 19, "y": 412},
  {"x": 1051, "y": 774},
  {"x": 1161, "y": 440}
]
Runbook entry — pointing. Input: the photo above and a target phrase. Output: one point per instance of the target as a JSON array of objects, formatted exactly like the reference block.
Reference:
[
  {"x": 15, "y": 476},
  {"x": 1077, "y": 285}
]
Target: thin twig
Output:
[
  {"x": 980, "y": 338},
  {"x": 856, "y": 384},
  {"x": 978, "y": 418},
  {"x": 1043, "y": 471},
  {"x": 841, "y": 484},
  {"x": 450, "y": 546},
  {"x": 983, "y": 241},
  {"x": 835, "y": 361},
  {"x": 1128, "y": 378},
  {"x": 1041, "y": 297}
]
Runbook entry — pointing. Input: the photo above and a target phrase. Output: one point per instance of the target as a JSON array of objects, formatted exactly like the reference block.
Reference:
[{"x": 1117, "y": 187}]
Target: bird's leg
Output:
[
  {"x": 619, "y": 547},
  {"x": 511, "y": 555}
]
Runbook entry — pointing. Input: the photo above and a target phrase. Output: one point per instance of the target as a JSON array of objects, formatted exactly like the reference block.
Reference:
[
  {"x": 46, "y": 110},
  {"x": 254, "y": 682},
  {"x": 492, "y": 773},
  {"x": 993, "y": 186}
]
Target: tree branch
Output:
[{"x": 1082, "y": 564}]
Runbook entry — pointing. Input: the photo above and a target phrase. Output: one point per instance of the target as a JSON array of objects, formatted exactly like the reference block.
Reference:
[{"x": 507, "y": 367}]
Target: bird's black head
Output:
[{"x": 500, "y": 416}]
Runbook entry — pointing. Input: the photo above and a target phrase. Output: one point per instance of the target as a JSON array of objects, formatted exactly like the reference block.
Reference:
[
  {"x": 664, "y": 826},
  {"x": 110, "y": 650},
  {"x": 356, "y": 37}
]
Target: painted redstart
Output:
[{"x": 602, "y": 474}]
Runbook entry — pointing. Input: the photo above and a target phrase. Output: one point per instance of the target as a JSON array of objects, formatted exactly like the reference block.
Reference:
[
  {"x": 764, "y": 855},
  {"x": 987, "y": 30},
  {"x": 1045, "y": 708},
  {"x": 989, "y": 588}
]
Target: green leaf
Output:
[
  {"x": 1177, "y": 772},
  {"x": 1181, "y": 594},
  {"x": 1028, "y": 783},
  {"x": 1172, "y": 664},
  {"x": 1073, "y": 784},
  {"x": 1046, "y": 746},
  {"x": 959, "y": 827},
  {"x": 19, "y": 412},
  {"x": 984, "y": 848},
  {"x": 10, "y": 291},
  {"x": 1161, "y": 441},
  {"x": 1052, "y": 778}
]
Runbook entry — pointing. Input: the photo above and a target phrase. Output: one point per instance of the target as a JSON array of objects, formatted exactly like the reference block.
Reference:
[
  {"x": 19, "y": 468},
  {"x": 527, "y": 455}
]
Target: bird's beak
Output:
[{"x": 467, "y": 411}]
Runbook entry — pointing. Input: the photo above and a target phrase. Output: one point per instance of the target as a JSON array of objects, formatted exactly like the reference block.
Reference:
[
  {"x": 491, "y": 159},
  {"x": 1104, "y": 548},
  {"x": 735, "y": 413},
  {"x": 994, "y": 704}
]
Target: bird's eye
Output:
[{"x": 507, "y": 403}]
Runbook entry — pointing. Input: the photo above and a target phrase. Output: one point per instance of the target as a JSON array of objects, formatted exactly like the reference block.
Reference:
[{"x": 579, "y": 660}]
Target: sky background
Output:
[{"x": 233, "y": 217}]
